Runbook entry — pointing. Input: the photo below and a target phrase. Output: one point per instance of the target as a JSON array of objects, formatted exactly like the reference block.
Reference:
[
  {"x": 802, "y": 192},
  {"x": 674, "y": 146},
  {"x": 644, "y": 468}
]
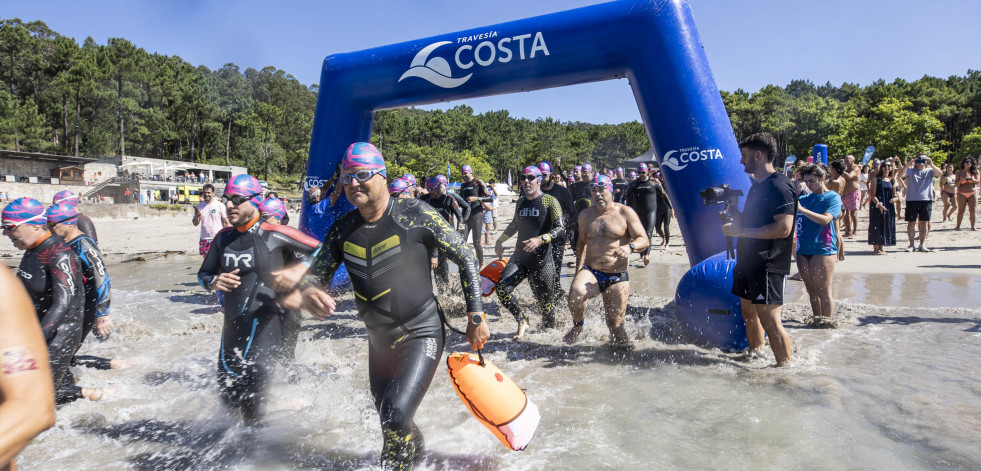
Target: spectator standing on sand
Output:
[
  {"x": 211, "y": 215},
  {"x": 851, "y": 196},
  {"x": 967, "y": 191},
  {"x": 919, "y": 174},
  {"x": 882, "y": 208},
  {"x": 948, "y": 191}
]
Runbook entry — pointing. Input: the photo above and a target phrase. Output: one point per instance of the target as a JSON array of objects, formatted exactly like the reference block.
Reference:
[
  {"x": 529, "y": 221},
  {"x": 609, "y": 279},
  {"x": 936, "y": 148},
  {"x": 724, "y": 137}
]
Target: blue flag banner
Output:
[{"x": 868, "y": 154}]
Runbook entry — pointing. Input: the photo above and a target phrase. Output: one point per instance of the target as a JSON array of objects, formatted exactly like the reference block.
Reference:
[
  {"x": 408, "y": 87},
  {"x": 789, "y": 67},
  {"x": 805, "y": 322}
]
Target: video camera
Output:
[{"x": 724, "y": 194}]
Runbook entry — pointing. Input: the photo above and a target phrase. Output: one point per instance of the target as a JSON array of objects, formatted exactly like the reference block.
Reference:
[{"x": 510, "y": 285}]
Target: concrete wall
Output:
[
  {"x": 42, "y": 192},
  {"x": 129, "y": 211},
  {"x": 93, "y": 170}
]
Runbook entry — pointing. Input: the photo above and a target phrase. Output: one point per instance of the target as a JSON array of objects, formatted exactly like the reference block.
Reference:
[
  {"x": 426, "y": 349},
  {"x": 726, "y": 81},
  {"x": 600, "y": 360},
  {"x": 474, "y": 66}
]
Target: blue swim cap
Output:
[
  {"x": 245, "y": 185},
  {"x": 24, "y": 211},
  {"x": 363, "y": 154},
  {"x": 398, "y": 186},
  {"x": 273, "y": 207},
  {"x": 533, "y": 170},
  {"x": 63, "y": 213},
  {"x": 545, "y": 167},
  {"x": 65, "y": 195},
  {"x": 604, "y": 181}
]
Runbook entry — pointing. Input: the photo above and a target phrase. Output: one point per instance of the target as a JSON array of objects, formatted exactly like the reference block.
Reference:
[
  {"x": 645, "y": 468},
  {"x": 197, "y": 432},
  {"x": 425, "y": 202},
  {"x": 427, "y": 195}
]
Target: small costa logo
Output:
[{"x": 678, "y": 159}]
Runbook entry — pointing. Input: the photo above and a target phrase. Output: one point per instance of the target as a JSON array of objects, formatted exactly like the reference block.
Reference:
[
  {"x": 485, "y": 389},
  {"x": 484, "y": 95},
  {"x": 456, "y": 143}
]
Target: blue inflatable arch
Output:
[{"x": 652, "y": 43}]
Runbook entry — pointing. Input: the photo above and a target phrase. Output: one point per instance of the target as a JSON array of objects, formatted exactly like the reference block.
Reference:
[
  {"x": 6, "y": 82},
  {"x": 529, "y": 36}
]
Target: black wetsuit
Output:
[
  {"x": 256, "y": 327},
  {"x": 388, "y": 261},
  {"x": 642, "y": 198},
  {"x": 541, "y": 216},
  {"x": 448, "y": 205},
  {"x": 619, "y": 185},
  {"x": 96, "y": 280},
  {"x": 52, "y": 275},
  {"x": 85, "y": 225},
  {"x": 662, "y": 220},
  {"x": 570, "y": 216},
  {"x": 582, "y": 199},
  {"x": 475, "y": 222}
]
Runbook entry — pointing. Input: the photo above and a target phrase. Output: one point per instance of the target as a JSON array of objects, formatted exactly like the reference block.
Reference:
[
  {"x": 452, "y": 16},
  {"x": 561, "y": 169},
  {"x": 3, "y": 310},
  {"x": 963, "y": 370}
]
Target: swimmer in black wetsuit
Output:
[
  {"x": 449, "y": 206},
  {"x": 569, "y": 215},
  {"x": 610, "y": 233},
  {"x": 241, "y": 263},
  {"x": 619, "y": 185},
  {"x": 84, "y": 223},
  {"x": 662, "y": 220},
  {"x": 273, "y": 211},
  {"x": 386, "y": 245},
  {"x": 52, "y": 276},
  {"x": 642, "y": 198},
  {"x": 61, "y": 220},
  {"x": 475, "y": 193},
  {"x": 537, "y": 221}
]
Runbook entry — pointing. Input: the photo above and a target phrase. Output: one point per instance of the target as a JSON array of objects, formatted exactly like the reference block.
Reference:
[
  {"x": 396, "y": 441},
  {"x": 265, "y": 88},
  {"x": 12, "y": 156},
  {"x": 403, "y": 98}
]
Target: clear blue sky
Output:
[{"x": 750, "y": 43}]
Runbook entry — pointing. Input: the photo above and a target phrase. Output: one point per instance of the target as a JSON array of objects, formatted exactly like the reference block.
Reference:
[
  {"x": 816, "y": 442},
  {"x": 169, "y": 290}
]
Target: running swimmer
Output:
[
  {"x": 610, "y": 233},
  {"x": 474, "y": 192},
  {"x": 662, "y": 220},
  {"x": 62, "y": 219},
  {"x": 537, "y": 222},
  {"x": 240, "y": 264},
  {"x": 569, "y": 216},
  {"x": 398, "y": 306},
  {"x": 273, "y": 211},
  {"x": 401, "y": 188},
  {"x": 84, "y": 223},
  {"x": 449, "y": 206},
  {"x": 641, "y": 196},
  {"x": 51, "y": 274},
  {"x": 619, "y": 185}
]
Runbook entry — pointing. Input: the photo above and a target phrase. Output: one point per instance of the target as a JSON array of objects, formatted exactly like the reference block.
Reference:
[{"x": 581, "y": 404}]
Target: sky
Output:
[{"x": 749, "y": 43}]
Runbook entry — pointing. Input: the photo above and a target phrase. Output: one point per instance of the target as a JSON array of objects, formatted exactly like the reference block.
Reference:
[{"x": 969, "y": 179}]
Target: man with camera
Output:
[
  {"x": 765, "y": 232},
  {"x": 919, "y": 174}
]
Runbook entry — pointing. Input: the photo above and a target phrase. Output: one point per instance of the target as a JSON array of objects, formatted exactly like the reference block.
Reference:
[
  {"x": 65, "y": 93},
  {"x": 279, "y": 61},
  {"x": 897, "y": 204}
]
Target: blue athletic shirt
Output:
[{"x": 813, "y": 238}]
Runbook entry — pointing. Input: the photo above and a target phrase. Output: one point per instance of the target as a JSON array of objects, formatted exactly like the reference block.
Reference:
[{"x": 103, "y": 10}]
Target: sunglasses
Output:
[
  {"x": 361, "y": 176},
  {"x": 529, "y": 178},
  {"x": 238, "y": 199}
]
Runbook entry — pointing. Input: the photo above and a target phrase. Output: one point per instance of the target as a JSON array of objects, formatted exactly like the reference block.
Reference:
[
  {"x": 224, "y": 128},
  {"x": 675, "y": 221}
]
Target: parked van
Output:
[{"x": 188, "y": 195}]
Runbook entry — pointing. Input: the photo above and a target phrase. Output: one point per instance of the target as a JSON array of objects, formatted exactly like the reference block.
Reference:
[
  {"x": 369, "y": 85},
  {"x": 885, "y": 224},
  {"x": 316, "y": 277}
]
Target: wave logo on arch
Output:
[
  {"x": 434, "y": 70},
  {"x": 678, "y": 159}
]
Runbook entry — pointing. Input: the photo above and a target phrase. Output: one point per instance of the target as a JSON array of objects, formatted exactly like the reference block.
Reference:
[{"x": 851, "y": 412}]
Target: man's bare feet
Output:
[
  {"x": 573, "y": 335},
  {"x": 522, "y": 328},
  {"x": 646, "y": 259},
  {"x": 98, "y": 394},
  {"x": 118, "y": 364},
  {"x": 619, "y": 338}
]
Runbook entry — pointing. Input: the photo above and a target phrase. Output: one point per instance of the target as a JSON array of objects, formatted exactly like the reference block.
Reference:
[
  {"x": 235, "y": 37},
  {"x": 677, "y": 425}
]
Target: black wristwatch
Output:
[{"x": 633, "y": 248}]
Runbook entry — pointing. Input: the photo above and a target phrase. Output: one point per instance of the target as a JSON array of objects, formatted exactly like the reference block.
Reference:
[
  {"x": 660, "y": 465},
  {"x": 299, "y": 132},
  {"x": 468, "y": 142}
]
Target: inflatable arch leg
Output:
[{"x": 653, "y": 43}]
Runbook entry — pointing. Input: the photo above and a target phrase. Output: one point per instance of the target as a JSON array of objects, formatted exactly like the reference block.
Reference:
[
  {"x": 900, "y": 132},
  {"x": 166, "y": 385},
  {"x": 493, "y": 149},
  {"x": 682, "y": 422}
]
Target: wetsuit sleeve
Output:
[
  {"x": 211, "y": 266},
  {"x": 100, "y": 275},
  {"x": 570, "y": 208},
  {"x": 464, "y": 207},
  {"x": 298, "y": 243},
  {"x": 326, "y": 260},
  {"x": 555, "y": 214},
  {"x": 62, "y": 285},
  {"x": 455, "y": 207},
  {"x": 451, "y": 243},
  {"x": 664, "y": 194},
  {"x": 482, "y": 195},
  {"x": 513, "y": 225},
  {"x": 629, "y": 199}
]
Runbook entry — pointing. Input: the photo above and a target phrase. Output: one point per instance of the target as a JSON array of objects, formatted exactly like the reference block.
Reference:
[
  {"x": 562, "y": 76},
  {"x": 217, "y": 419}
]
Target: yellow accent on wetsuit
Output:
[{"x": 355, "y": 250}]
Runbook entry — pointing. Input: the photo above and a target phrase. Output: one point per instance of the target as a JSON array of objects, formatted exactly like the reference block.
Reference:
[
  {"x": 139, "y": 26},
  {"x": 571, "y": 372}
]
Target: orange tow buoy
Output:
[
  {"x": 494, "y": 399},
  {"x": 490, "y": 275}
]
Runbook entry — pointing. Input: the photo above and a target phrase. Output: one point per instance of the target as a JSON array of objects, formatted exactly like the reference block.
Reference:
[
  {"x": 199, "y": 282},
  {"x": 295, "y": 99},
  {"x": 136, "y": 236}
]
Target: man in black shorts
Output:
[
  {"x": 610, "y": 233},
  {"x": 475, "y": 193},
  {"x": 766, "y": 232},
  {"x": 387, "y": 245}
]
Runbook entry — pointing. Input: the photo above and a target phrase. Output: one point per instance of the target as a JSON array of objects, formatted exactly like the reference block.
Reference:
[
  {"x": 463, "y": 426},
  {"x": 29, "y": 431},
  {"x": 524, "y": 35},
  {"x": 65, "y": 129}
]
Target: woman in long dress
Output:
[{"x": 882, "y": 208}]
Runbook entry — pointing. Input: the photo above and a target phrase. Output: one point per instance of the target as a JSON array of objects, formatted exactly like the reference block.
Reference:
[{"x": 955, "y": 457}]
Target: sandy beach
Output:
[{"x": 895, "y": 386}]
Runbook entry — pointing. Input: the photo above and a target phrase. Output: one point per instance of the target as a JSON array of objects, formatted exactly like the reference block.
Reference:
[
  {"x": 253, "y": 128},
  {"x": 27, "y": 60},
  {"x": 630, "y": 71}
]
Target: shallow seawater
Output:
[{"x": 896, "y": 387}]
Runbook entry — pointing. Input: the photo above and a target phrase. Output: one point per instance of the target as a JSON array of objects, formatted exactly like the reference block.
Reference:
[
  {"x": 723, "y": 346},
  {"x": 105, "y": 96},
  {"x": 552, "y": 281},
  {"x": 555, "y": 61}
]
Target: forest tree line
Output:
[{"x": 96, "y": 100}]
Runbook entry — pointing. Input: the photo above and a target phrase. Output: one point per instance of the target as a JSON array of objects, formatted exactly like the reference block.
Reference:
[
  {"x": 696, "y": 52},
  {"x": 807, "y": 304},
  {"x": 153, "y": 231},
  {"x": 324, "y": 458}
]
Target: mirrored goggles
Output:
[{"x": 361, "y": 175}]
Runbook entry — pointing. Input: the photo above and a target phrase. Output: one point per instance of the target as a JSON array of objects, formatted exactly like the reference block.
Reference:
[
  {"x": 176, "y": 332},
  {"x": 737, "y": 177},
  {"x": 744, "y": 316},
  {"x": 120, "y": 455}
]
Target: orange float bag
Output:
[
  {"x": 490, "y": 275},
  {"x": 494, "y": 399}
]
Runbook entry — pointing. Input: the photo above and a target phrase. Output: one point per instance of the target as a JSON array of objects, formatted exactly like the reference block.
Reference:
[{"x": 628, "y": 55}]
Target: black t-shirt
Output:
[
  {"x": 768, "y": 198},
  {"x": 619, "y": 185}
]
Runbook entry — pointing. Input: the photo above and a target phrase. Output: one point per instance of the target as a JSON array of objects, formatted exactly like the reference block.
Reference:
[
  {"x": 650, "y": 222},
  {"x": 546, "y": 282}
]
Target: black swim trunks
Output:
[{"x": 604, "y": 279}]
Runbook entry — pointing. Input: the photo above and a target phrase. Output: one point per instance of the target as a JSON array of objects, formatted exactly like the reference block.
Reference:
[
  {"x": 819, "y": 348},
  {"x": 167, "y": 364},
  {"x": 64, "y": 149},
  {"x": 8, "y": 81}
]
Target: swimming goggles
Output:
[
  {"x": 594, "y": 185},
  {"x": 52, "y": 224},
  {"x": 238, "y": 199},
  {"x": 361, "y": 175},
  {"x": 14, "y": 225}
]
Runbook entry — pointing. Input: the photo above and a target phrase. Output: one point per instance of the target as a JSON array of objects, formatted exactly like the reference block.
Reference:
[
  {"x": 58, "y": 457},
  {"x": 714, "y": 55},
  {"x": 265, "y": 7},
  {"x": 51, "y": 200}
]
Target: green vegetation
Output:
[
  {"x": 96, "y": 100},
  {"x": 166, "y": 207}
]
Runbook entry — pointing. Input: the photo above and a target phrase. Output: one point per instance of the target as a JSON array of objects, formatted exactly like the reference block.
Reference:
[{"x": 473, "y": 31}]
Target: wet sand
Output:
[{"x": 895, "y": 387}]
